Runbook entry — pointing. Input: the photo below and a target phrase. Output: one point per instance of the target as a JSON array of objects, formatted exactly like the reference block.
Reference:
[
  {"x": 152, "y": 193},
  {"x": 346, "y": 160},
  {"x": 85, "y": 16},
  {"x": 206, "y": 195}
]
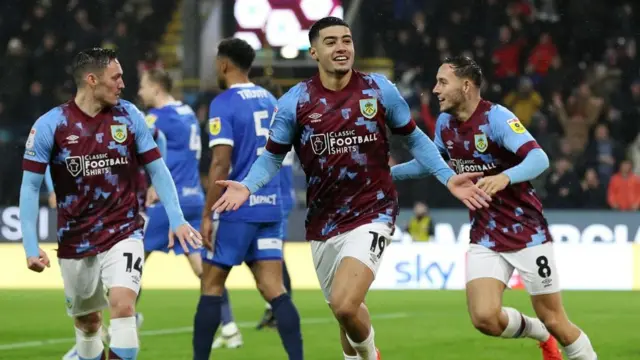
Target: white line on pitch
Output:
[{"x": 184, "y": 330}]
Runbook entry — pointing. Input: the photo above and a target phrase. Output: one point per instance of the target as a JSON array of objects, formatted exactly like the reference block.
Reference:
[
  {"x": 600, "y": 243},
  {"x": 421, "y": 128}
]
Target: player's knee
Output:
[
  {"x": 487, "y": 322},
  {"x": 270, "y": 289},
  {"x": 89, "y": 323},
  {"x": 121, "y": 308},
  {"x": 550, "y": 320},
  {"x": 344, "y": 309}
]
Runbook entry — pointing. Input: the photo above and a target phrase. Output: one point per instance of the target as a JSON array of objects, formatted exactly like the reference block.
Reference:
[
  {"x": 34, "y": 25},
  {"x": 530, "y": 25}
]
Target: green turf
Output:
[{"x": 411, "y": 325}]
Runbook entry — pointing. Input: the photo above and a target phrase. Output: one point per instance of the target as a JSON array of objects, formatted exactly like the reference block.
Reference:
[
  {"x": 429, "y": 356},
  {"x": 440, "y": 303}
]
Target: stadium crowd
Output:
[{"x": 576, "y": 86}]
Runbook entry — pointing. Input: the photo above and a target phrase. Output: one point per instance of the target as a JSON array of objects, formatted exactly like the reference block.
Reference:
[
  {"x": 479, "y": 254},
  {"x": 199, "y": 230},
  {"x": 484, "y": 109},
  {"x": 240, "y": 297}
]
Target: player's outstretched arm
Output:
[
  {"x": 508, "y": 132},
  {"x": 161, "y": 141},
  {"x": 37, "y": 259}
]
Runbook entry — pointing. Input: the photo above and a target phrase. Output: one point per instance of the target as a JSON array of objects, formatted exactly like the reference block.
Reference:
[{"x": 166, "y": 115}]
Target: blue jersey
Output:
[
  {"x": 286, "y": 182},
  {"x": 240, "y": 117},
  {"x": 180, "y": 126}
]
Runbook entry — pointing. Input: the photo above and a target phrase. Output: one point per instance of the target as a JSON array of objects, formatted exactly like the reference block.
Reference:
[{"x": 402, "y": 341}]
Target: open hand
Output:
[
  {"x": 235, "y": 195},
  {"x": 493, "y": 184},
  {"x": 206, "y": 229},
  {"x": 463, "y": 188},
  {"x": 186, "y": 234},
  {"x": 38, "y": 263}
]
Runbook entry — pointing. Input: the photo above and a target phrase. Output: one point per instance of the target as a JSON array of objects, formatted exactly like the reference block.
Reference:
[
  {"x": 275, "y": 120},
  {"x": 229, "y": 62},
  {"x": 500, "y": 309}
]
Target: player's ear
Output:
[
  {"x": 313, "y": 53},
  {"x": 92, "y": 79},
  {"x": 466, "y": 85}
]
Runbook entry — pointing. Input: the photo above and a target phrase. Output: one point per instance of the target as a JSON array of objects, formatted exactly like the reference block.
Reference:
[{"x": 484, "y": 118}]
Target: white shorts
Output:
[
  {"x": 87, "y": 280},
  {"x": 536, "y": 266},
  {"x": 365, "y": 243}
]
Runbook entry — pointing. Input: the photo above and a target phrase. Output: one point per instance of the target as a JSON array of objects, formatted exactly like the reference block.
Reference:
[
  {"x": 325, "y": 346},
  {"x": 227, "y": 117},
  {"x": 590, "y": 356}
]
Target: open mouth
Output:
[{"x": 340, "y": 59}]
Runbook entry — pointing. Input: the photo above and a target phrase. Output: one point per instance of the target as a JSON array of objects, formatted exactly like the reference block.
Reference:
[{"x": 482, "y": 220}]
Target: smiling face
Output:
[
  {"x": 333, "y": 49},
  {"x": 449, "y": 89}
]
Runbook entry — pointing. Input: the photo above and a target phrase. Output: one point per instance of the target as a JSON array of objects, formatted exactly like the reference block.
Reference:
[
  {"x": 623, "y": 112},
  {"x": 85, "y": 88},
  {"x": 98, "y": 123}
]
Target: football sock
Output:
[
  {"x": 138, "y": 296},
  {"x": 521, "y": 326},
  {"x": 288, "y": 320},
  {"x": 89, "y": 345},
  {"x": 205, "y": 324},
  {"x": 226, "y": 313},
  {"x": 581, "y": 349},
  {"x": 349, "y": 357},
  {"x": 286, "y": 279},
  {"x": 124, "y": 339},
  {"x": 366, "y": 349}
]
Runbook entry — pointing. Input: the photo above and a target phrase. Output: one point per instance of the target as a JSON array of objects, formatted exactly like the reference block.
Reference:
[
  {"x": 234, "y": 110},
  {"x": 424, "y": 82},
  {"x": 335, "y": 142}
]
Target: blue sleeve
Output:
[
  {"x": 397, "y": 109},
  {"x": 408, "y": 170},
  {"x": 29, "y": 196},
  {"x": 428, "y": 156},
  {"x": 263, "y": 170},
  {"x": 508, "y": 132},
  {"x": 166, "y": 189},
  {"x": 41, "y": 137},
  {"x": 221, "y": 121},
  {"x": 534, "y": 164},
  {"x": 144, "y": 138},
  {"x": 284, "y": 119},
  {"x": 161, "y": 141},
  {"x": 437, "y": 137},
  {"x": 48, "y": 180}
]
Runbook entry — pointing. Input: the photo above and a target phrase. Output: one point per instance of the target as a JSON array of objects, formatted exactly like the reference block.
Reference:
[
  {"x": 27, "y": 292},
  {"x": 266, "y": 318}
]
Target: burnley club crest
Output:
[
  {"x": 369, "y": 107},
  {"x": 119, "y": 133},
  {"x": 481, "y": 142}
]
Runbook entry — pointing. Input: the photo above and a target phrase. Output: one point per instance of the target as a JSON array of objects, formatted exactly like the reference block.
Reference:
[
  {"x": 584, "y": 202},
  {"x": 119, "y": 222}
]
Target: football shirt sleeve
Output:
[
  {"x": 397, "y": 110},
  {"x": 283, "y": 121},
  {"x": 39, "y": 144},
  {"x": 146, "y": 147},
  {"x": 437, "y": 137},
  {"x": 220, "y": 122}
]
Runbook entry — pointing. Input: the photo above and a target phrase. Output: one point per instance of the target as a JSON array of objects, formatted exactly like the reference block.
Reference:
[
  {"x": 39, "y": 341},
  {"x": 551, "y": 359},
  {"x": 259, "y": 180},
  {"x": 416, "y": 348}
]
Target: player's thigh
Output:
[
  {"x": 488, "y": 275},
  {"x": 360, "y": 256},
  {"x": 122, "y": 267},
  {"x": 537, "y": 268},
  {"x": 267, "y": 243},
  {"x": 156, "y": 235},
  {"x": 83, "y": 289},
  {"x": 232, "y": 241}
]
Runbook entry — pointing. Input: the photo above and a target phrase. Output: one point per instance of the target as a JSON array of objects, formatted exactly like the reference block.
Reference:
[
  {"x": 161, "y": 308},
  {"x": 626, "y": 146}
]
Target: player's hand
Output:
[
  {"x": 463, "y": 188},
  {"x": 52, "y": 200},
  {"x": 152, "y": 196},
  {"x": 493, "y": 184},
  {"x": 38, "y": 263},
  {"x": 206, "y": 229},
  {"x": 186, "y": 234},
  {"x": 231, "y": 199}
]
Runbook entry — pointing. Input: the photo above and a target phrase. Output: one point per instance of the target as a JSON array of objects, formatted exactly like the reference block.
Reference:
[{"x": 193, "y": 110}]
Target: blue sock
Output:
[
  {"x": 226, "y": 313},
  {"x": 288, "y": 320},
  {"x": 286, "y": 279},
  {"x": 205, "y": 325}
]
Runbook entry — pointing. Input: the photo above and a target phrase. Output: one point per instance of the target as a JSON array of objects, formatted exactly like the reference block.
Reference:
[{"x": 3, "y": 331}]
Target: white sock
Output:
[
  {"x": 366, "y": 349},
  {"x": 533, "y": 328},
  {"x": 88, "y": 345},
  {"x": 229, "y": 329},
  {"x": 124, "y": 338},
  {"x": 581, "y": 349},
  {"x": 349, "y": 357}
]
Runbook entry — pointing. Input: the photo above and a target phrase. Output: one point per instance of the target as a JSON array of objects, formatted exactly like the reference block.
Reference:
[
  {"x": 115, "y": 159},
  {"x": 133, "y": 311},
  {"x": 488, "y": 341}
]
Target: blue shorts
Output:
[
  {"x": 237, "y": 242},
  {"x": 156, "y": 236}
]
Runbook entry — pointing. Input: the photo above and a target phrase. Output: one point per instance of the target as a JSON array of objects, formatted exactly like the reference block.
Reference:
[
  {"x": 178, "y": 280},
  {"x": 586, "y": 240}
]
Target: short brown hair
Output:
[{"x": 162, "y": 78}]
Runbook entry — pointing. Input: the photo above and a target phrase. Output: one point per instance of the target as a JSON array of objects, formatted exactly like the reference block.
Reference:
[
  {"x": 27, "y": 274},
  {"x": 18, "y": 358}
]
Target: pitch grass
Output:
[{"x": 410, "y": 325}]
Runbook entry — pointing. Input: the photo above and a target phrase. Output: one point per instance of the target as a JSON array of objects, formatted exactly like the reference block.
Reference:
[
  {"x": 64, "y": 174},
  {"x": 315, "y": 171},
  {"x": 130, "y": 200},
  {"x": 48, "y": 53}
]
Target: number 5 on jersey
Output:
[{"x": 258, "y": 119}]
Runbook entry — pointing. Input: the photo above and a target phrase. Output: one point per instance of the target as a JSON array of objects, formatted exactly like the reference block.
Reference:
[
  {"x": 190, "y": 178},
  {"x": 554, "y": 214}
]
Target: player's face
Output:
[
  {"x": 110, "y": 84},
  {"x": 147, "y": 91},
  {"x": 333, "y": 49},
  {"x": 448, "y": 89}
]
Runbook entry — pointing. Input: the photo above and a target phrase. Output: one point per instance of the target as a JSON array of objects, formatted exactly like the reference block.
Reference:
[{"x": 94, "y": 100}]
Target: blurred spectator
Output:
[
  {"x": 506, "y": 56},
  {"x": 624, "y": 189},
  {"x": 524, "y": 102},
  {"x": 594, "y": 193},
  {"x": 603, "y": 152},
  {"x": 420, "y": 225},
  {"x": 563, "y": 186},
  {"x": 634, "y": 154},
  {"x": 542, "y": 55}
]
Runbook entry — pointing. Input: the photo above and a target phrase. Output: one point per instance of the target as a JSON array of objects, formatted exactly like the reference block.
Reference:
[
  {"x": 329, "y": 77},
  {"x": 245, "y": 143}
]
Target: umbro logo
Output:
[
  {"x": 73, "y": 139},
  {"x": 449, "y": 144},
  {"x": 315, "y": 117}
]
